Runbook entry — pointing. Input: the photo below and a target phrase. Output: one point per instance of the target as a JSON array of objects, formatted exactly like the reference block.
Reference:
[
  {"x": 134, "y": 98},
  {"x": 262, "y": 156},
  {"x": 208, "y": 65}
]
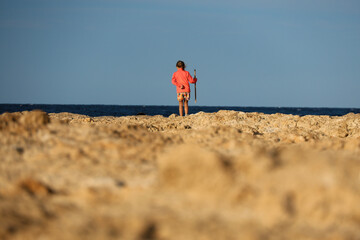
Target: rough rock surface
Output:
[{"x": 224, "y": 175}]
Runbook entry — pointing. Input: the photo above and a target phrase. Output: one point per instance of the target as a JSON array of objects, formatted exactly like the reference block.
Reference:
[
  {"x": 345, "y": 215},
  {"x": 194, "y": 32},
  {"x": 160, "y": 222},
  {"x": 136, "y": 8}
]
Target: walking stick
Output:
[{"x": 195, "y": 84}]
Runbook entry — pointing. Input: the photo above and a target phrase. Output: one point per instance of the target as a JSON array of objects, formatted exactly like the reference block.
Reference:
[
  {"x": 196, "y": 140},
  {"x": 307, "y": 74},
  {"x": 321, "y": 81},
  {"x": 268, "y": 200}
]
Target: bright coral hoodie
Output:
[{"x": 182, "y": 77}]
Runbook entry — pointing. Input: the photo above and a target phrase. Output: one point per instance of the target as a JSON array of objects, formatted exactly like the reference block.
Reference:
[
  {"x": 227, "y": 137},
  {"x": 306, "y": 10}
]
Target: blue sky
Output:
[{"x": 290, "y": 53}]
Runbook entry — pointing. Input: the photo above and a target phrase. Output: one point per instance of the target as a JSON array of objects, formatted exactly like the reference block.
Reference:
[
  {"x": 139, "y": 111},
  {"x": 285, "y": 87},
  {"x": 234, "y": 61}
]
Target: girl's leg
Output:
[
  {"x": 186, "y": 107},
  {"x": 181, "y": 108}
]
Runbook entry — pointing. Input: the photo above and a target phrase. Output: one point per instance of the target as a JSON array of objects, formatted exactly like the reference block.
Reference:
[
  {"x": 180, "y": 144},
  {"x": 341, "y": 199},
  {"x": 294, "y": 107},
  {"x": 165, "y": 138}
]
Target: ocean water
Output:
[{"x": 128, "y": 110}]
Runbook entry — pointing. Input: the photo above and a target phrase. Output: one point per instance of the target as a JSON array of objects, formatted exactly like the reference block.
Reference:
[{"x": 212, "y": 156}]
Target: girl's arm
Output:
[
  {"x": 174, "y": 81},
  {"x": 191, "y": 79}
]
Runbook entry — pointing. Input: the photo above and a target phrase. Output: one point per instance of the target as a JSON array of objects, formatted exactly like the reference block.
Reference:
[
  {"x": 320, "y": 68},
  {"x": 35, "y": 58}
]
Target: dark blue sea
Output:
[{"x": 128, "y": 110}]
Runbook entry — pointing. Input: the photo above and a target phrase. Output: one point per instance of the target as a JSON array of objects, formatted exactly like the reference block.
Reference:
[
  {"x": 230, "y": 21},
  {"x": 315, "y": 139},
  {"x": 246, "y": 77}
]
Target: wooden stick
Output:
[{"x": 195, "y": 84}]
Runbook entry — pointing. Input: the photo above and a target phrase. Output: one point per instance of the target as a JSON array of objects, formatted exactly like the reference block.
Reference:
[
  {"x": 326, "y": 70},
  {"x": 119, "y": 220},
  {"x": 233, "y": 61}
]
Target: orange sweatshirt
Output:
[{"x": 182, "y": 78}]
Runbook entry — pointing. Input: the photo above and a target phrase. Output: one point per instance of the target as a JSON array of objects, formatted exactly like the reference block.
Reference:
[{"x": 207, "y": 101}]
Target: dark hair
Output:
[{"x": 180, "y": 64}]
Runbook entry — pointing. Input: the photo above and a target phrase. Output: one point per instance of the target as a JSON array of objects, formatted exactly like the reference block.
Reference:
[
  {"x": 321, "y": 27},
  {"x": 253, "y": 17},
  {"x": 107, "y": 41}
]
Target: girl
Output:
[{"x": 181, "y": 79}]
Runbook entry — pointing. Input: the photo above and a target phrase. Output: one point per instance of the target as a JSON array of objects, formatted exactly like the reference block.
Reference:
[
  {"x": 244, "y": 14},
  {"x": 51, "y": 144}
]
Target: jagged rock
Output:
[{"x": 205, "y": 176}]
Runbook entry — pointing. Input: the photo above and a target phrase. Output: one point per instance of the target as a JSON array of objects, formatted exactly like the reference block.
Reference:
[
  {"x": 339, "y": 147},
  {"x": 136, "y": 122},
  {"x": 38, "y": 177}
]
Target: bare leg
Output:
[
  {"x": 186, "y": 107},
  {"x": 181, "y": 108}
]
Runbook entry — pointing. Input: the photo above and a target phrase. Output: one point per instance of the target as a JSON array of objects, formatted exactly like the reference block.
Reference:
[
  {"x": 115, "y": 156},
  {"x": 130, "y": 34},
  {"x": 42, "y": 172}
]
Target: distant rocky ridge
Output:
[{"x": 223, "y": 175}]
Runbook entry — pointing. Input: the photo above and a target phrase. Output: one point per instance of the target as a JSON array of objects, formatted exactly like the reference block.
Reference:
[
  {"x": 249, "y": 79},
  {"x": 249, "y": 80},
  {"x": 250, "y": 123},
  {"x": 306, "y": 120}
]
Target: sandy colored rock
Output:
[{"x": 223, "y": 175}]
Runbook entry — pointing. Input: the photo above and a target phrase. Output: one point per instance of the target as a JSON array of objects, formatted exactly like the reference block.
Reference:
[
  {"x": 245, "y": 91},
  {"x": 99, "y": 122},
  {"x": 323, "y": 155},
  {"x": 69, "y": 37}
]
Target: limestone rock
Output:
[{"x": 205, "y": 176}]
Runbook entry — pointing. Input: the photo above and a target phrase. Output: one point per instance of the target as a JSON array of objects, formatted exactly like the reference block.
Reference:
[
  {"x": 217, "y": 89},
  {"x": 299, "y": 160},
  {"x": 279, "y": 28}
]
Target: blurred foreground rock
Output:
[{"x": 224, "y": 175}]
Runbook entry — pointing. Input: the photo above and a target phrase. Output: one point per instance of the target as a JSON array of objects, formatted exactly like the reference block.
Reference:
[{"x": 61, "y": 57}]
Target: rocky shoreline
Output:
[{"x": 223, "y": 175}]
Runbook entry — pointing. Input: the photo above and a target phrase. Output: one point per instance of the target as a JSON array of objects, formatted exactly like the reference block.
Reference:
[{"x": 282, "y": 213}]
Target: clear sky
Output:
[{"x": 280, "y": 53}]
